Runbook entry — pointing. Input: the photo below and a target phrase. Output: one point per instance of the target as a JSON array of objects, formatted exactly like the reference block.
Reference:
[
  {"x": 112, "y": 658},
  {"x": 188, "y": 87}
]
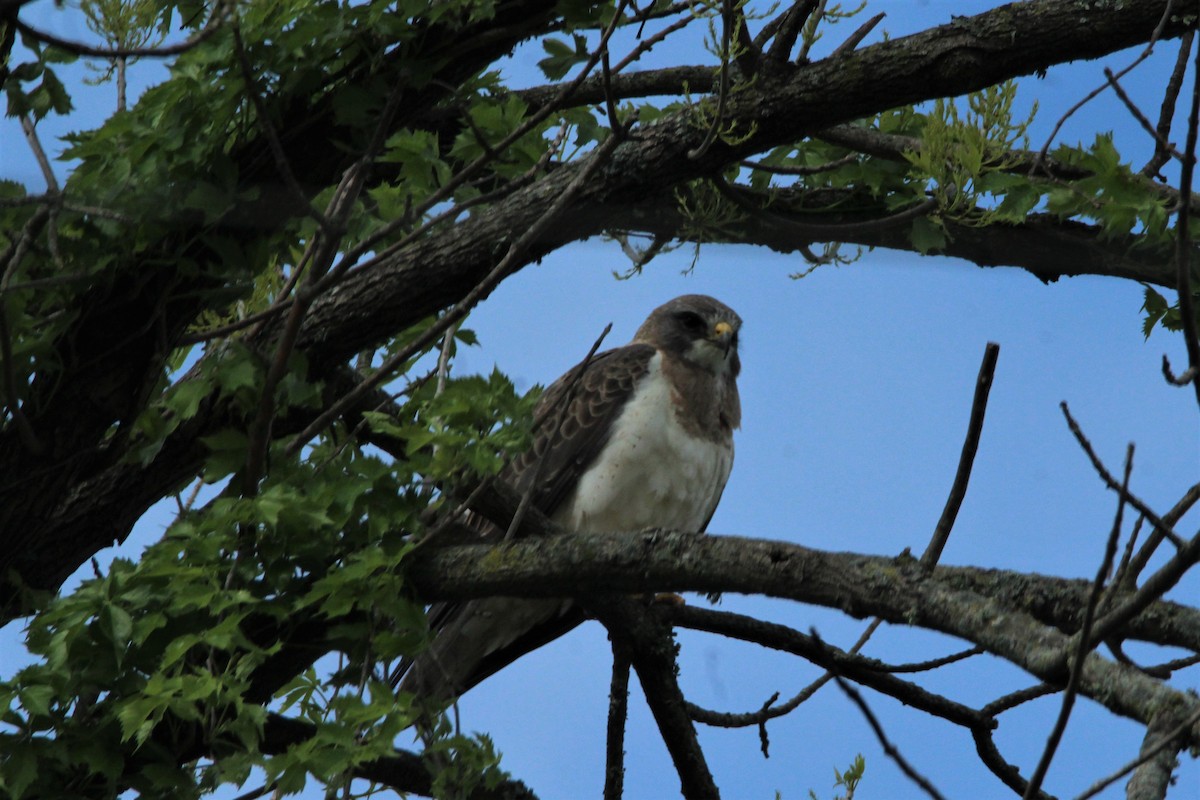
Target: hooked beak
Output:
[{"x": 722, "y": 334}]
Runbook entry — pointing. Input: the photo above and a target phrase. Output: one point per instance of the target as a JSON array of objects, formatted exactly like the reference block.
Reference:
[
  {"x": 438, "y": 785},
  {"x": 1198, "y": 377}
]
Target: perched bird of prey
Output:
[{"x": 642, "y": 439}]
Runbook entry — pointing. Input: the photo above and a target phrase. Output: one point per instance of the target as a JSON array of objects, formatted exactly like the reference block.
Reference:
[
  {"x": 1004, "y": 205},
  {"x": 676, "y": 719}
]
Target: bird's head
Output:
[{"x": 700, "y": 329}]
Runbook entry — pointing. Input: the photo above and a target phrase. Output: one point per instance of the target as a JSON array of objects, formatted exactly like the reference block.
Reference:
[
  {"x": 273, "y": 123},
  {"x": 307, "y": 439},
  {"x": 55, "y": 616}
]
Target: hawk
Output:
[{"x": 643, "y": 438}]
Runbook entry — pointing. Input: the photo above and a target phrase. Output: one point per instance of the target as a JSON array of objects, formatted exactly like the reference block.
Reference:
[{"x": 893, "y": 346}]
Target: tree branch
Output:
[{"x": 898, "y": 590}]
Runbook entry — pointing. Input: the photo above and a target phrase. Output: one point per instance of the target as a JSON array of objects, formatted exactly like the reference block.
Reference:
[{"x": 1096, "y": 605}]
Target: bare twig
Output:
[
  {"x": 866, "y": 671},
  {"x": 466, "y": 173},
  {"x": 853, "y": 39},
  {"x": 748, "y": 55},
  {"x": 1009, "y": 775},
  {"x": 1041, "y": 156},
  {"x": 888, "y": 748},
  {"x": 650, "y": 644},
  {"x": 1167, "y": 111},
  {"x": 1118, "y": 580},
  {"x": 333, "y": 225},
  {"x": 1017, "y": 698},
  {"x": 618, "y": 712},
  {"x": 460, "y": 309},
  {"x": 723, "y": 87},
  {"x": 933, "y": 663},
  {"x": 1183, "y": 378},
  {"x": 785, "y": 29},
  {"x": 1158, "y": 522},
  {"x": 1152, "y": 589},
  {"x": 1156, "y": 537},
  {"x": 1160, "y": 144},
  {"x": 39, "y": 154},
  {"x": 81, "y": 49},
  {"x": 610, "y": 105},
  {"x": 958, "y": 490},
  {"x": 1183, "y": 238},
  {"x": 1151, "y": 747},
  {"x": 1084, "y": 642},
  {"x": 645, "y": 45}
]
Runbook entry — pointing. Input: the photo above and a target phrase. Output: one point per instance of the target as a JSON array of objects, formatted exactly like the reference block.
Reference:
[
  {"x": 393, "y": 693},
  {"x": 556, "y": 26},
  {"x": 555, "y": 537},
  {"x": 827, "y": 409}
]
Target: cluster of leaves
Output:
[
  {"x": 180, "y": 638},
  {"x": 179, "y": 643},
  {"x": 848, "y": 780}
]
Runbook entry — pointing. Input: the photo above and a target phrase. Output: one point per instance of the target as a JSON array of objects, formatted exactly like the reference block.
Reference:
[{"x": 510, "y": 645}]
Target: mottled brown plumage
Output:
[{"x": 643, "y": 438}]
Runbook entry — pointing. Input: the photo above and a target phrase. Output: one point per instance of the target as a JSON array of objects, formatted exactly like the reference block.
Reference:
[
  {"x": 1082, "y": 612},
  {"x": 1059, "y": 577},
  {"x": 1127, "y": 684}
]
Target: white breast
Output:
[{"x": 651, "y": 473}]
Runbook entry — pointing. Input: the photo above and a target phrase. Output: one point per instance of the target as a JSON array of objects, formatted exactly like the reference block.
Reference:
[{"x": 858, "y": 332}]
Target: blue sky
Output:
[{"x": 856, "y": 387}]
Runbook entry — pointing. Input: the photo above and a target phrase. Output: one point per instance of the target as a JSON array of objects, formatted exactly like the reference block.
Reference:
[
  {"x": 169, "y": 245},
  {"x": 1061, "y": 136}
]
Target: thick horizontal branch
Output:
[
  {"x": 1046, "y": 247},
  {"x": 893, "y": 589}
]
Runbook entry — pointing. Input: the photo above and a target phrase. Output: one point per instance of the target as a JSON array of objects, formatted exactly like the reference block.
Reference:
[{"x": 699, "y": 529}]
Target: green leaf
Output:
[
  {"x": 1155, "y": 306},
  {"x": 561, "y": 56},
  {"x": 36, "y": 699},
  {"x": 20, "y": 769},
  {"x": 927, "y": 236}
]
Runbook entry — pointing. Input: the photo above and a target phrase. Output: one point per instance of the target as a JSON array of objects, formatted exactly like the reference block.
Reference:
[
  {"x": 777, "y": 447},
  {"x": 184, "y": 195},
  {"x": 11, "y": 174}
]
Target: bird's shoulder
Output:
[{"x": 573, "y": 419}]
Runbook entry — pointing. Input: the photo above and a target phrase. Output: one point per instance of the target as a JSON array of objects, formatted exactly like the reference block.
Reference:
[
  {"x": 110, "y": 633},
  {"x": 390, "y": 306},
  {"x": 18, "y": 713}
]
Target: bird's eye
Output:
[{"x": 692, "y": 321}]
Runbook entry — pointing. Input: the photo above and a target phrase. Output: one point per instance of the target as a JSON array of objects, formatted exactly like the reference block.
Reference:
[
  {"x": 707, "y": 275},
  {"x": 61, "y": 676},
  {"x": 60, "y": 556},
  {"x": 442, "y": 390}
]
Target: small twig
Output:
[
  {"x": 1167, "y": 667},
  {"x": 933, "y": 663},
  {"x": 468, "y": 172},
  {"x": 1159, "y": 523},
  {"x": 1084, "y": 644},
  {"x": 723, "y": 86},
  {"x": 849, "y": 158},
  {"x": 785, "y": 29},
  {"x": 1159, "y": 142},
  {"x": 1158, "y": 584},
  {"x": 350, "y": 256},
  {"x": 81, "y": 49},
  {"x": 1167, "y": 111},
  {"x": 748, "y": 54},
  {"x": 958, "y": 489},
  {"x": 1017, "y": 698},
  {"x": 650, "y": 645},
  {"x": 262, "y": 117},
  {"x": 1183, "y": 238},
  {"x": 39, "y": 154},
  {"x": 1118, "y": 580},
  {"x": 610, "y": 105},
  {"x": 618, "y": 713},
  {"x": 645, "y": 45},
  {"x": 888, "y": 748},
  {"x": 1041, "y": 156},
  {"x": 866, "y": 671},
  {"x": 1161, "y": 671},
  {"x": 813, "y": 22},
  {"x": 333, "y": 226},
  {"x": 856, "y": 37},
  {"x": 1156, "y": 537},
  {"x": 460, "y": 309},
  {"x": 1183, "y": 379},
  {"x": 1148, "y": 752},
  {"x": 1009, "y": 775},
  {"x": 638, "y": 259}
]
